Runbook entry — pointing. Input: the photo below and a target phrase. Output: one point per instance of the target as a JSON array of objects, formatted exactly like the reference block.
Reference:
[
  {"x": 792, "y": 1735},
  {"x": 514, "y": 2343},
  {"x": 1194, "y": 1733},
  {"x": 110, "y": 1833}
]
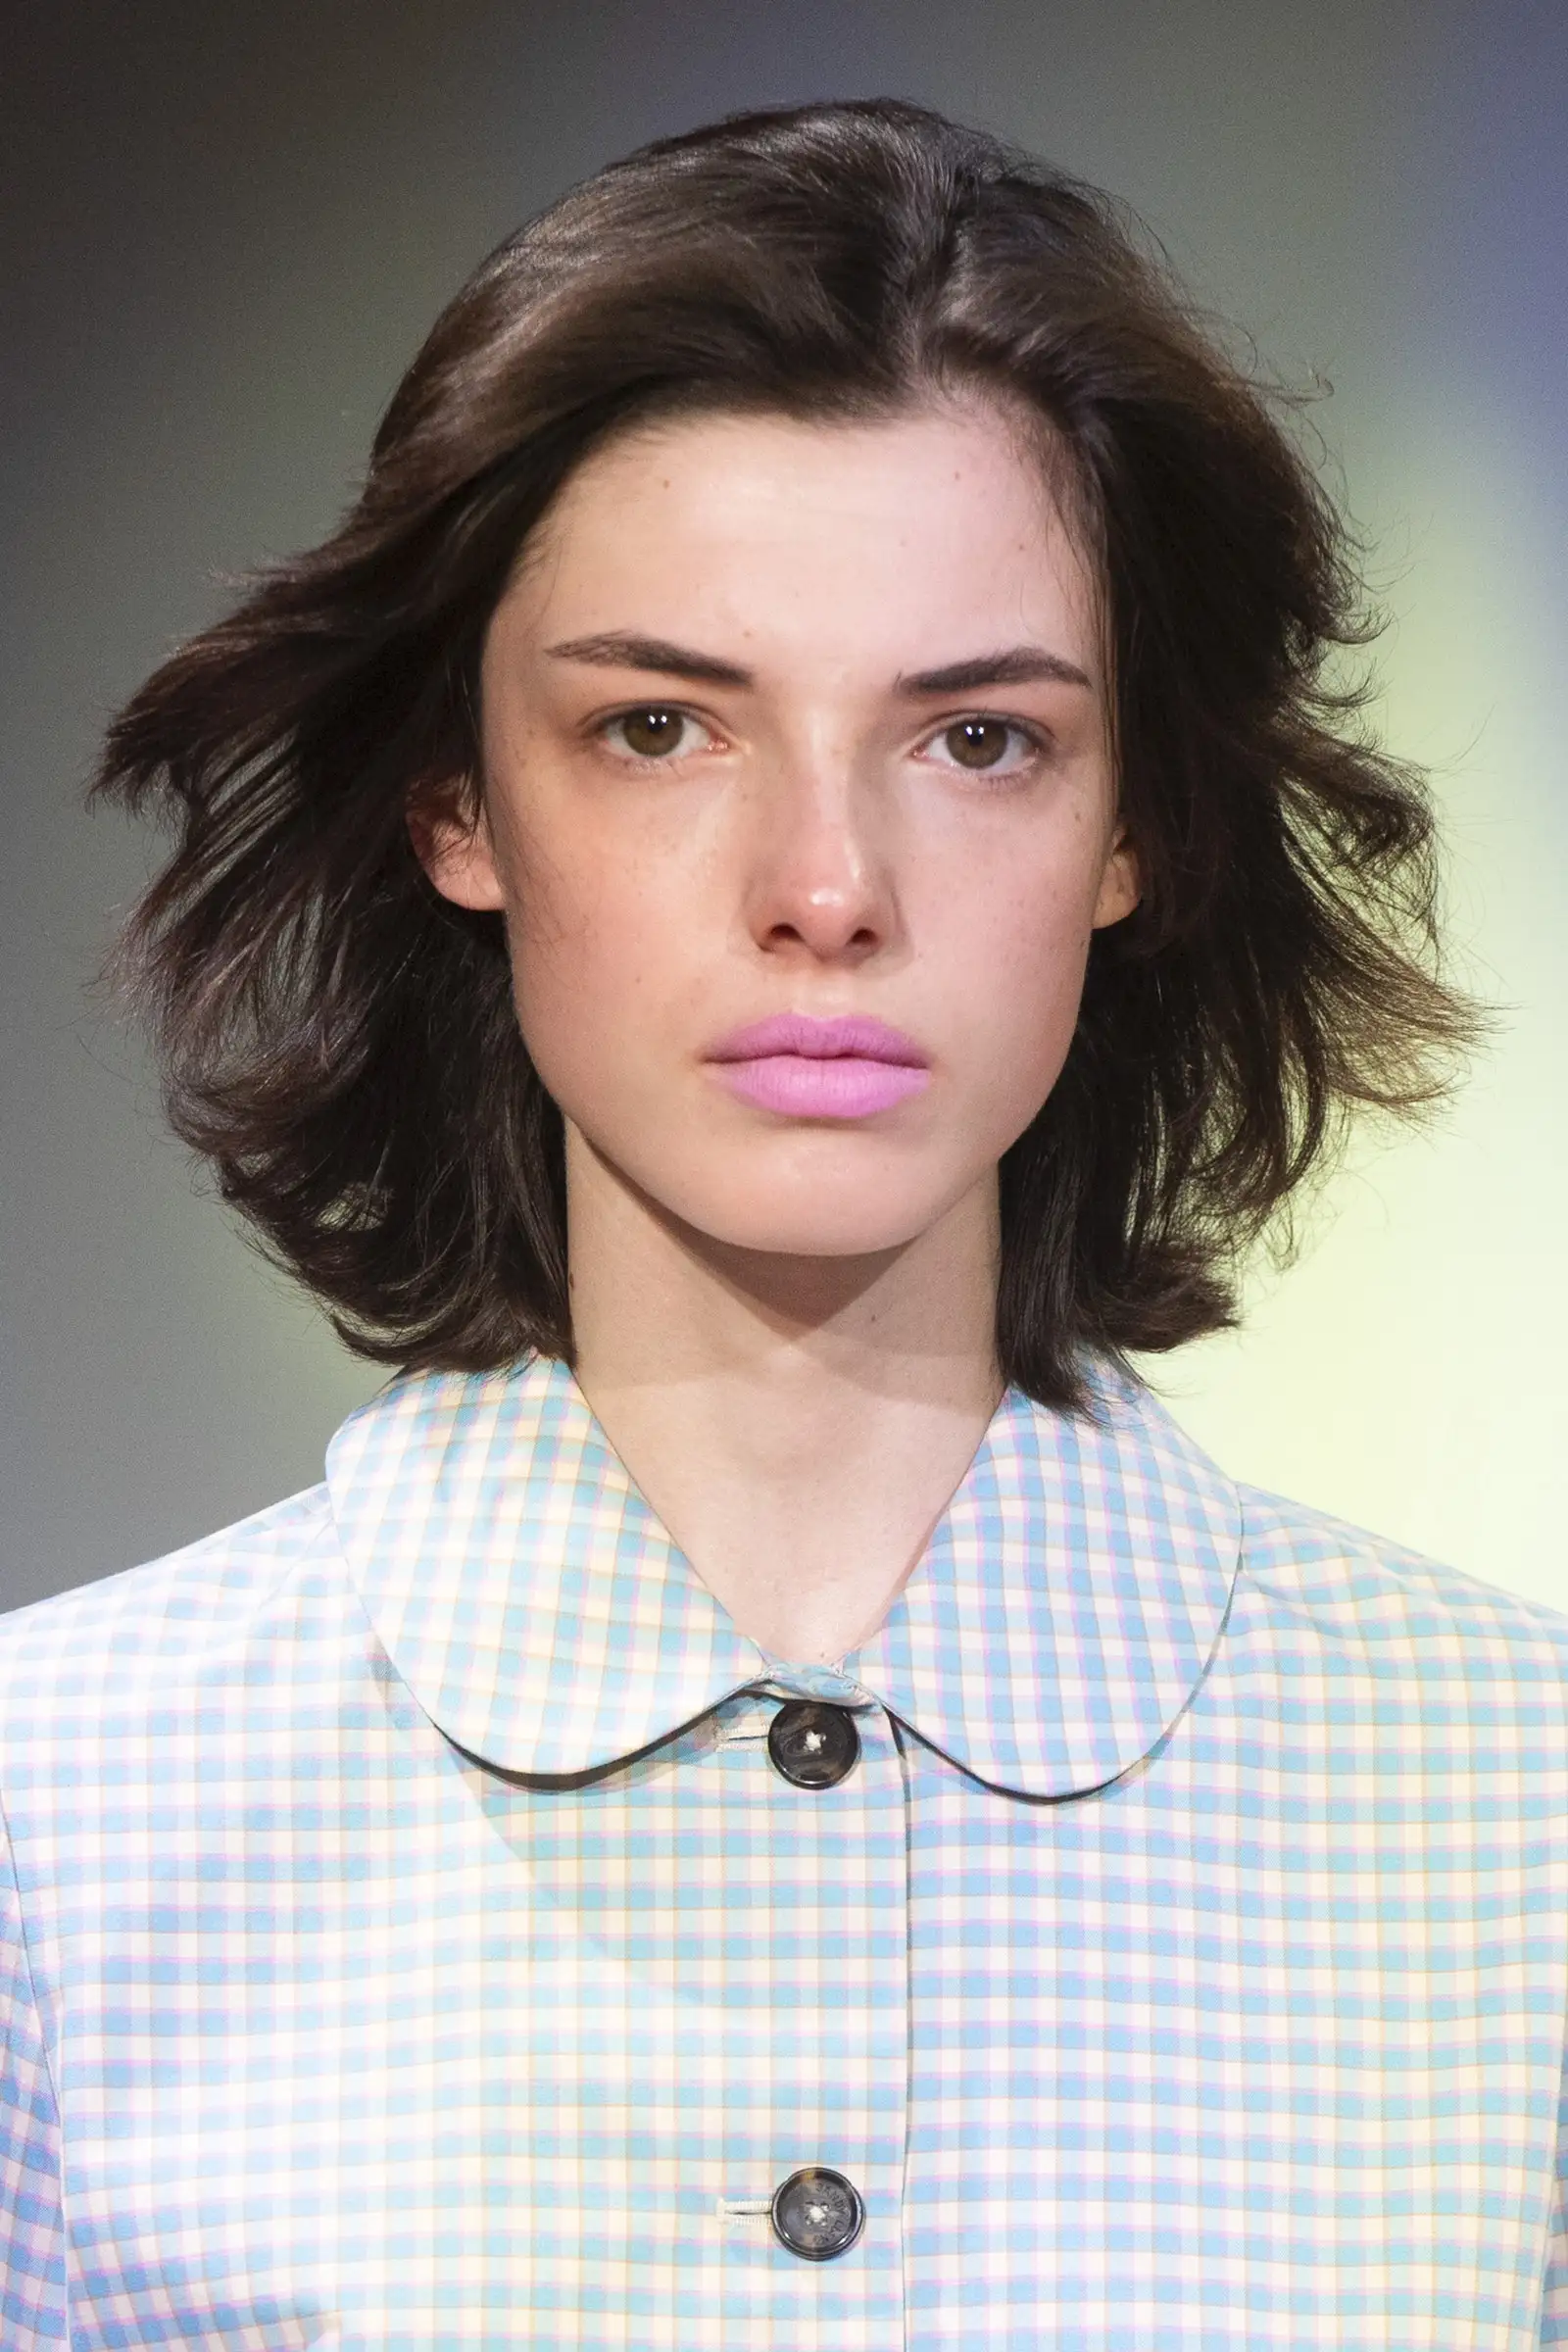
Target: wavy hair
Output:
[{"x": 340, "y": 1041}]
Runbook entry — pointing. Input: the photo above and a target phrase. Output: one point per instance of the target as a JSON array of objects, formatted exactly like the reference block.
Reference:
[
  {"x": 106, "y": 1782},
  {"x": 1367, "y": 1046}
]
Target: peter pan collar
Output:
[{"x": 1064, "y": 1613}]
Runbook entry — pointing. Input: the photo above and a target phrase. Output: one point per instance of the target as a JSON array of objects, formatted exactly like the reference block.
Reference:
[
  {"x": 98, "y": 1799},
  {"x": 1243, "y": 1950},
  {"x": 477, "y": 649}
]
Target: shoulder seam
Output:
[
  {"x": 26, "y": 1940},
  {"x": 225, "y": 1625}
]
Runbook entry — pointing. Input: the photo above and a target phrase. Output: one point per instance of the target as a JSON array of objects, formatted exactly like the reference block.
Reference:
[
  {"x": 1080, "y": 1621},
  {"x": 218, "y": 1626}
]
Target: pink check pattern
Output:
[{"x": 408, "y": 1946}]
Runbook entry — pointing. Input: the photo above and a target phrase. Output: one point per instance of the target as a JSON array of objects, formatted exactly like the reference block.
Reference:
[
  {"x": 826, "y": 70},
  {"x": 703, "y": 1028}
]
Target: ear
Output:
[
  {"x": 453, "y": 843},
  {"x": 1120, "y": 885}
]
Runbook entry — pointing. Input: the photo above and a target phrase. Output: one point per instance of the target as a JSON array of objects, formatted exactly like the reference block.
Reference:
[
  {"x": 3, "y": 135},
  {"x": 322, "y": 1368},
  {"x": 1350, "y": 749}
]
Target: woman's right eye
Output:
[{"x": 652, "y": 731}]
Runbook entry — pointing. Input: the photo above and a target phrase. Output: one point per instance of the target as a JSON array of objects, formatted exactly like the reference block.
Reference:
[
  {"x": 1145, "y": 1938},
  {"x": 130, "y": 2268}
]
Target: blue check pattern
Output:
[{"x": 408, "y": 1945}]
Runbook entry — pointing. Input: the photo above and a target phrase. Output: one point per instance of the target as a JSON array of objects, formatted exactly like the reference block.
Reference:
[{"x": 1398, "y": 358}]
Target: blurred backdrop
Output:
[{"x": 224, "y": 230}]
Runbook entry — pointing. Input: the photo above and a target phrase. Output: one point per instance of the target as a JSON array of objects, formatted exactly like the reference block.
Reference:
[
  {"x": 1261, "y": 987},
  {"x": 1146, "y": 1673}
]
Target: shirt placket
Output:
[
  {"x": 696, "y": 1990},
  {"x": 808, "y": 2099}
]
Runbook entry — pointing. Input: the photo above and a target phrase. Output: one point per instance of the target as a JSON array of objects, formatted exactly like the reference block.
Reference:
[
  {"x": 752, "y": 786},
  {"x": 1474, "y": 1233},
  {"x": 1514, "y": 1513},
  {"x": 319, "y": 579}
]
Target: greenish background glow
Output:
[{"x": 223, "y": 233}]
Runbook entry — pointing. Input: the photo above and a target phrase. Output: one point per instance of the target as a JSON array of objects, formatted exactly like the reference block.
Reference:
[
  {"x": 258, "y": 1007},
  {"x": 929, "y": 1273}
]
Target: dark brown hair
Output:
[{"x": 340, "y": 1040}]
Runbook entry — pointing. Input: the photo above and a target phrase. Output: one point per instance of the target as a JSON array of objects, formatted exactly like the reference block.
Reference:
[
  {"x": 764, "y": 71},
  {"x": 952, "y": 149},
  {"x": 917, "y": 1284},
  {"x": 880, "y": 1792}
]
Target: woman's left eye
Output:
[
  {"x": 984, "y": 745},
  {"x": 653, "y": 731}
]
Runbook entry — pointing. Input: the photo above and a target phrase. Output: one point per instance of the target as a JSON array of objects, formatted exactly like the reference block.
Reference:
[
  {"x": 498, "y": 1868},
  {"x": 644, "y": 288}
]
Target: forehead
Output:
[{"x": 947, "y": 516}]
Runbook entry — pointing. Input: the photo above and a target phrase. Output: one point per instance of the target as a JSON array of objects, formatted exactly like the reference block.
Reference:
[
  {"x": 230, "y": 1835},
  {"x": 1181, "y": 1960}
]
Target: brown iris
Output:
[
  {"x": 977, "y": 742},
  {"x": 652, "y": 732}
]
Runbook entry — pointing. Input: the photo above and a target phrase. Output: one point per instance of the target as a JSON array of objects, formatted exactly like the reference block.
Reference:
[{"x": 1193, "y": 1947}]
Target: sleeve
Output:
[
  {"x": 1554, "y": 2295},
  {"x": 32, "y": 2265}
]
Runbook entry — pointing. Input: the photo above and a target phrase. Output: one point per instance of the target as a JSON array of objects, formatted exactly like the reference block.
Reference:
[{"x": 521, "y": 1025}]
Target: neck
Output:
[{"x": 798, "y": 1424}]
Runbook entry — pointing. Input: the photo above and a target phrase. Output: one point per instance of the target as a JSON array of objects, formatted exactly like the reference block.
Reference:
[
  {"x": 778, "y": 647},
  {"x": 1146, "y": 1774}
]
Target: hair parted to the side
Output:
[{"x": 340, "y": 1040}]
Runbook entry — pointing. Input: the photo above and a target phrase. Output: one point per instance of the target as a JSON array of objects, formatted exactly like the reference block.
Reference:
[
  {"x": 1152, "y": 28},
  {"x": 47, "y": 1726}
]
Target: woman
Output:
[{"x": 789, "y": 889}]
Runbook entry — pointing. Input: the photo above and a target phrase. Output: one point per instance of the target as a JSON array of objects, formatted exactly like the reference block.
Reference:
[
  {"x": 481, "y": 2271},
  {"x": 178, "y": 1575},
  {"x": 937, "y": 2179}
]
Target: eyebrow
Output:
[
  {"x": 614, "y": 652},
  {"x": 1018, "y": 666}
]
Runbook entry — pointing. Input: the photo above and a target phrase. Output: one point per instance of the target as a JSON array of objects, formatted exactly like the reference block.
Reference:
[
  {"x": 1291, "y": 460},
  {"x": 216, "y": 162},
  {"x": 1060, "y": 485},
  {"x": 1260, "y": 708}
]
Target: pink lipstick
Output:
[{"x": 805, "y": 1069}]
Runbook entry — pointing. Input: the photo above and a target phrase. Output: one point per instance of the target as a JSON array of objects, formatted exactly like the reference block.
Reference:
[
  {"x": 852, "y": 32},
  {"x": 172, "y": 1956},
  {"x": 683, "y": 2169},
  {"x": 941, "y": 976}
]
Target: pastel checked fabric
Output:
[{"x": 409, "y": 1945}]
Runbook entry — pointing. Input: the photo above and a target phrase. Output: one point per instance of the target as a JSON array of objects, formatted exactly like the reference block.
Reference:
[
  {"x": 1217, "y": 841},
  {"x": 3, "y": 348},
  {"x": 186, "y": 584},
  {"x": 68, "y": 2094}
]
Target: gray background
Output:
[{"x": 226, "y": 227}]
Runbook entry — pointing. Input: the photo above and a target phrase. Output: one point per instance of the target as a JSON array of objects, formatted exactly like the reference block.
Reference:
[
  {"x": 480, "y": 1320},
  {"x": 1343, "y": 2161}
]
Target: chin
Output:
[
  {"x": 809, "y": 1194},
  {"x": 837, "y": 1224}
]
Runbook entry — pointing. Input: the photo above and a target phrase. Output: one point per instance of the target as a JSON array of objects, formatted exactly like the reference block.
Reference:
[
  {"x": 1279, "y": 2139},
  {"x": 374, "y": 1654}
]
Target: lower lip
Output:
[{"x": 806, "y": 1086}]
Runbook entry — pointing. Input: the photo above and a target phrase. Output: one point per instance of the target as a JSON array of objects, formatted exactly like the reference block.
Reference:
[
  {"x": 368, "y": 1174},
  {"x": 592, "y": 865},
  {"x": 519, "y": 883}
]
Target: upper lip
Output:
[{"x": 852, "y": 1033}]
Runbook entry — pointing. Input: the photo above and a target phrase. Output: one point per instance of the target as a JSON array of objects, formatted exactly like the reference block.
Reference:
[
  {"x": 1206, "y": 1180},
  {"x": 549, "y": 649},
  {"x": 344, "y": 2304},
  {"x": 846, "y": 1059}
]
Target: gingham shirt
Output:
[{"x": 411, "y": 1944}]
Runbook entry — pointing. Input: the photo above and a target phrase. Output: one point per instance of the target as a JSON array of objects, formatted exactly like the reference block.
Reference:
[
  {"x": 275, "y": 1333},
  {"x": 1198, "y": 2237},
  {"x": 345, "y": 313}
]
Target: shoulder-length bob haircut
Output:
[{"x": 340, "y": 1040}]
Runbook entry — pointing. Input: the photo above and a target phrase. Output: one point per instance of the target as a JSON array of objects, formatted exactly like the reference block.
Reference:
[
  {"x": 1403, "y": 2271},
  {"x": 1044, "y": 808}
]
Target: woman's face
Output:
[{"x": 796, "y": 724}]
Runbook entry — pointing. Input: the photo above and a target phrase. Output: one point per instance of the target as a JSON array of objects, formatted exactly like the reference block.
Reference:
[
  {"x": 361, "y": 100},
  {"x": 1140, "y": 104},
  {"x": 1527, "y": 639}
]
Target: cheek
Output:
[
  {"x": 1024, "y": 951},
  {"x": 592, "y": 946},
  {"x": 1015, "y": 965}
]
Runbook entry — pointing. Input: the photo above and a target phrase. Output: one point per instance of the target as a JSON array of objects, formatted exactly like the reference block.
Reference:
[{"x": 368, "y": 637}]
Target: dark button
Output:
[
  {"x": 818, "y": 2214},
  {"x": 812, "y": 1744}
]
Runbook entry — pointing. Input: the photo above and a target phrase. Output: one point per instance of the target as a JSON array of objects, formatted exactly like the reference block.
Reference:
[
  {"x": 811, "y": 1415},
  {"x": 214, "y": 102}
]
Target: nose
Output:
[{"x": 819, "y": 884}]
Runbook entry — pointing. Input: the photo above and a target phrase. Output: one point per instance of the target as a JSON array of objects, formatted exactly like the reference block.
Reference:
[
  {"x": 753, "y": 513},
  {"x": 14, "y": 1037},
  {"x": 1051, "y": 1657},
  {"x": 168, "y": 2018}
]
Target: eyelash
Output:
[
  {"x": 631, "y": 758},
  {"x": 1036, "y": 737}
]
